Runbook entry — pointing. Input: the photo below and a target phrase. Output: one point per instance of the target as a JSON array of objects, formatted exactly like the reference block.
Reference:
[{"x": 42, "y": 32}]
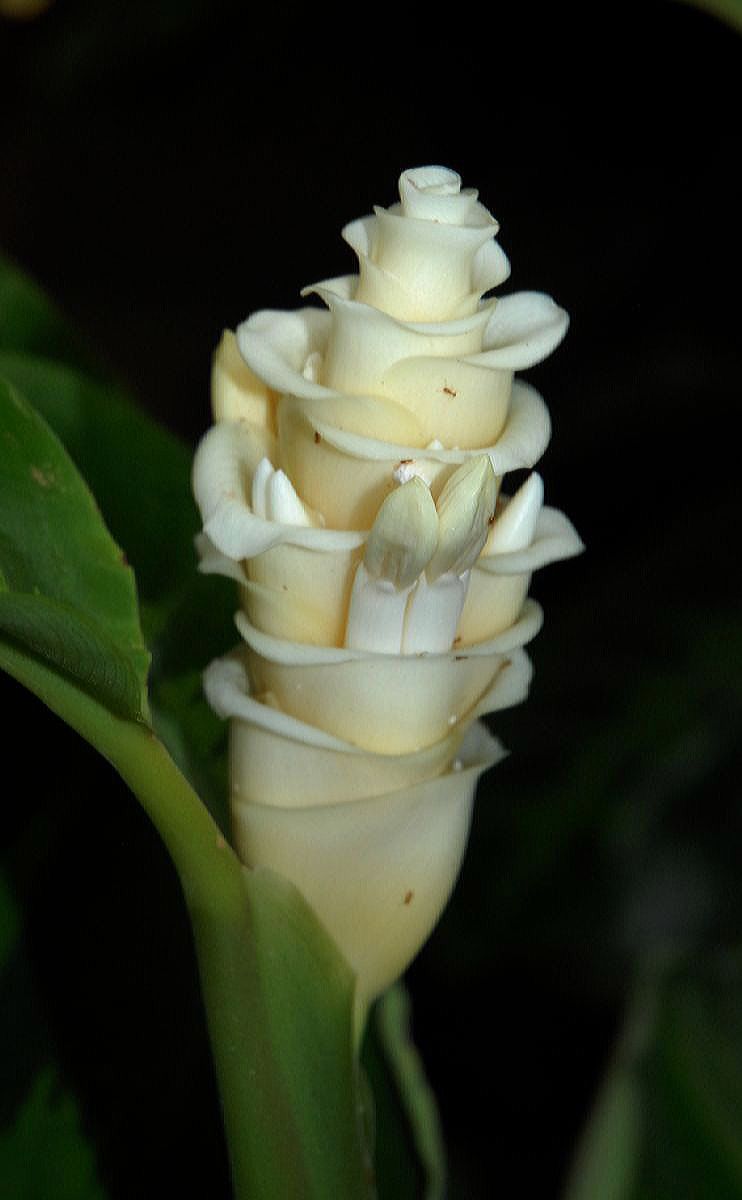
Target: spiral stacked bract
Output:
[{"x": 351, "y": 486}]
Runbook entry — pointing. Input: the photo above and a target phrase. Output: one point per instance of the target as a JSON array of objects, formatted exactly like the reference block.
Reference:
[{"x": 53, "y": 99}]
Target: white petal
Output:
[
  {"x": 281, "y": 761},
  {"x": 212, "y": 562},
  {"x": 284, "y": 505},
  {"x": 313, "y": 577},
  {"x": 223, "y": 468},
  {"x": 499, "y": 582},
  {"x": 523, "y": 330},
  {"x": 453, "y": 399},
  {"x": 378, "y": 701},
  {"x": 277, "y": 345},
  {"x": 365, "y": 342},
  {"x": 554, "y": 538},
  {"x": 259, "y": 488},
  {"x": 385, "y": 865},
  {"x": 435, "y": 194},
  {"x": 515, "y": 526},
  {"x": 432, "y": 261},
  {"x": 236, "y": 393},
  {"x": 346, "y": 477},
  {"x": 510, "y": 686},
  {"x": 295, "y": 616},
  {"x": 376, "y": 615},
  {"x": 433, "y": 613}
]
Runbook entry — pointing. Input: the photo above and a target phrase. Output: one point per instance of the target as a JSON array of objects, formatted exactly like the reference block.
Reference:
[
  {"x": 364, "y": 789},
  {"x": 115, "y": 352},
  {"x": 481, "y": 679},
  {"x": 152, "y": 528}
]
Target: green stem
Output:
[
  {"x": 263, "y": 1137},
  {"x": 213, "y": 882}
]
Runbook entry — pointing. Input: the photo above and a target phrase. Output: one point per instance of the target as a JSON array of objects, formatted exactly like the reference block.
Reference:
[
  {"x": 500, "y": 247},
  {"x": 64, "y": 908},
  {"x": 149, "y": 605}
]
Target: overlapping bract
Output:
[{"x": 351, "y": 486}]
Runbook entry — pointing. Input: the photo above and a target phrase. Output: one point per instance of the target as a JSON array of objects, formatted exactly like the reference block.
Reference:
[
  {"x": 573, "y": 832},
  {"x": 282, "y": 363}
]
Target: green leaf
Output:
[
  {"x": 196, "y": 738},
  {"x": 694, "y": 1086},
  {"x": 666, "y": 1124},
  {"x": 45, "y": 1153},
  {"x": 726, "y": 10},
  {"x": 68, "y": 598},
  {"x": 31, "y": 323},
  {"x": 392, "y": 1018},
  {"x": 399, "y": 1174},
  {"x": 607, "y": 1161},
  {"x": 138, "y": 472},
  {"x": 187, "y": 619},
  {"x": 301, "y": 1134},
  {"x": 278, "y": 995}
]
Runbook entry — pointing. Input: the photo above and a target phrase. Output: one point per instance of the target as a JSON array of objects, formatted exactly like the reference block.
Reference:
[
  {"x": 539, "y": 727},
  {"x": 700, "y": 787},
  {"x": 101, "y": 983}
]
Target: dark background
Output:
[{"x": 166, "y": 170}]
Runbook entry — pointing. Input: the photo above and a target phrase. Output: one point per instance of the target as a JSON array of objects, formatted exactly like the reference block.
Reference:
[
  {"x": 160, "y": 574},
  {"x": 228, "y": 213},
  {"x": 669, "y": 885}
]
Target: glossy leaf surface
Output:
[{"x": 67, "y": 596}]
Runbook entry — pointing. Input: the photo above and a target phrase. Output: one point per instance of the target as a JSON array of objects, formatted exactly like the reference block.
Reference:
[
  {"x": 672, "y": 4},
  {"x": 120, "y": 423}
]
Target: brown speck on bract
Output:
[
  {"x": 460, "y": 657},
  {"x": 404, "y": 461},
  {"x": 457, "y": 640},
  {"x": 450, "y": 391},
  {"x": 408, "y": 897},
  {"x": 220, "y": 842},
  {"x": 491, "y": 520},
  {"x": 317, "y": 437}
]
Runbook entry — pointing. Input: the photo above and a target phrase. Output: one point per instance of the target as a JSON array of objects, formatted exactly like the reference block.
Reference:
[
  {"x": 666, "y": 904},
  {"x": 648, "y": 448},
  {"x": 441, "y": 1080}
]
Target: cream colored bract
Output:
[{"x": 351, "y": 485}]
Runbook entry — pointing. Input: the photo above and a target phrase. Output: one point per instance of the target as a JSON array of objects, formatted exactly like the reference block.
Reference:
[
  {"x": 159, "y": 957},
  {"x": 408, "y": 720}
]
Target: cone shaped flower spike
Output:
[{"x": 351, "y": 486}]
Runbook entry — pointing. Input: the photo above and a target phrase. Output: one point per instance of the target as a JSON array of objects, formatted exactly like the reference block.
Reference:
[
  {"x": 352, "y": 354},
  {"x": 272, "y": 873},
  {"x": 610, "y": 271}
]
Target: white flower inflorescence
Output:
[{"x": 351, "y": 485}]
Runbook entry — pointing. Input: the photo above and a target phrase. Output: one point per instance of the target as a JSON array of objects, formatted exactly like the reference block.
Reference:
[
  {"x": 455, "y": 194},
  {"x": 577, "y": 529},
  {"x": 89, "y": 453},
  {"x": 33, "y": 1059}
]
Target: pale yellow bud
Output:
[
  {"x": 404, "y": 535},
  {"x": 465, "y": 507}
]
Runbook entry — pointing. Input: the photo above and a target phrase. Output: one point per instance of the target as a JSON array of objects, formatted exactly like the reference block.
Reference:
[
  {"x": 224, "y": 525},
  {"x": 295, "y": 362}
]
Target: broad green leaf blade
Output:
[
  {"x": 139, "y": 474},
  {"x": 77, "y": 647},
  {"x": 66, "y": 594},
  {"x": 137, "y": 471},
  {"x": 187, "y": 618}
]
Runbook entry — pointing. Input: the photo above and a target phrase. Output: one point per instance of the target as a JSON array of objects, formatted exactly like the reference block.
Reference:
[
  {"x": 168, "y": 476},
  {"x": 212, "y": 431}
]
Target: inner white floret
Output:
[
  {"x": 401, "y": 542},
  {"x": 433, "y": 613},
  {"x": 465, "y": 508},
  {"x": 516, "y": 525},
  {"x": 273, "y": 497},
  {"x": 376, "y": 614}
]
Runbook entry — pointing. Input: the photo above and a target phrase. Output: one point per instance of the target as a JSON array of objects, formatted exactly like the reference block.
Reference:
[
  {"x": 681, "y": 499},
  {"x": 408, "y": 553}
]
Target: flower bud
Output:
[{"x": 350, "y": 486}]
